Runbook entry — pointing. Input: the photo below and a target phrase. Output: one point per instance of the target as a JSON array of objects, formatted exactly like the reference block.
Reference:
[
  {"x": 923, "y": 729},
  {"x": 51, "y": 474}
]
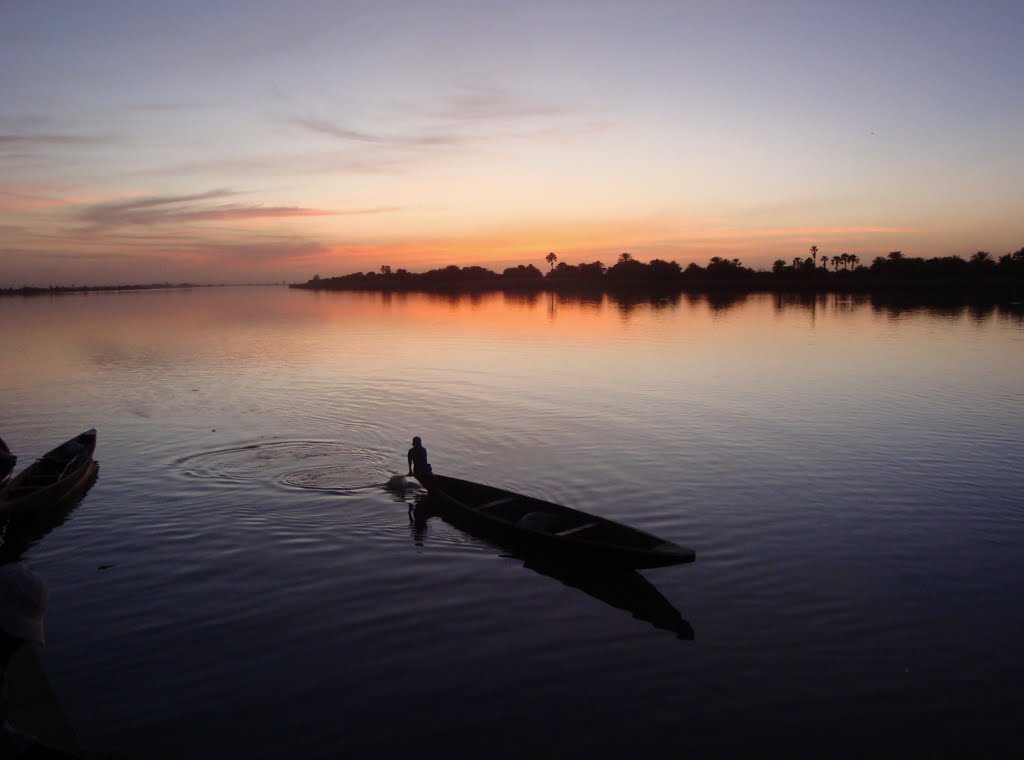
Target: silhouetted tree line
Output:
[
  {"x": 981, "y": 271},
  {"x": 842, "y": 271},
  {"x": 448, "y": 278}
]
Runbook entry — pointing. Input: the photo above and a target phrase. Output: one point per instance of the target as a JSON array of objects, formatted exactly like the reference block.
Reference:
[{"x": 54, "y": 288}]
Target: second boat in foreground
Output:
[{"x": 56, "y": 476}]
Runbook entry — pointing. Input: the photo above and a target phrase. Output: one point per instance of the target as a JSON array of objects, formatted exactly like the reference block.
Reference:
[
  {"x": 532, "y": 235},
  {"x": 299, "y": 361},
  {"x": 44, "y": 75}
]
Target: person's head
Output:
[
  {"x": 23, "y": 597},
  {"x": 416, "y": 441}
]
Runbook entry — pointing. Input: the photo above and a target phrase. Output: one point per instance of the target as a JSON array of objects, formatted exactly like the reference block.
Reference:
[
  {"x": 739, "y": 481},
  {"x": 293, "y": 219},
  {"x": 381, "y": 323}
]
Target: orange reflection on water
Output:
[{"x": 281, "y": 326}]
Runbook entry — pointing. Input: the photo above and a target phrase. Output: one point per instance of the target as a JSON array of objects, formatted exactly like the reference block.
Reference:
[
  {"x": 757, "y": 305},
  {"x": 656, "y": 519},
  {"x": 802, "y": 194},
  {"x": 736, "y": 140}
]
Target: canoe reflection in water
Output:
[
  {"x": 21, "y": 531},
  {"x": 623, "y": 589}
]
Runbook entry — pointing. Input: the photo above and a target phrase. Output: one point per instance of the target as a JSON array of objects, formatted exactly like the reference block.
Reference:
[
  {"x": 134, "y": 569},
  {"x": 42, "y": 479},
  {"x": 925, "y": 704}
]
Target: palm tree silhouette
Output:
[
  {"x": 814, "y": 254},
  {"x": 624, "y": 257},
  {"x": 551, "y": 258}
]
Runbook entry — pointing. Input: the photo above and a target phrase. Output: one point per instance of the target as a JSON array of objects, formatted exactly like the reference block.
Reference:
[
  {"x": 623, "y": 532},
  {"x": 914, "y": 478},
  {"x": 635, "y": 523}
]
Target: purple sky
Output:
[{"x": 254, "y": 141}]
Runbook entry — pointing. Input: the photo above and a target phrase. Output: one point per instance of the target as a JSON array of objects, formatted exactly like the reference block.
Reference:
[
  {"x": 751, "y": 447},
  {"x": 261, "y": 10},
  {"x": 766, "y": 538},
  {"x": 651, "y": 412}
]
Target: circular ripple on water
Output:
[
  {"x": 336, "y": 478},
  {"x": 318, "y": 465}
]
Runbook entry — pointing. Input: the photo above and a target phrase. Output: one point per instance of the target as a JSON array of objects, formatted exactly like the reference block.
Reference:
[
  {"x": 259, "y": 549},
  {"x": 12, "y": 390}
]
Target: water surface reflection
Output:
[{"x": 847, "y": 469}]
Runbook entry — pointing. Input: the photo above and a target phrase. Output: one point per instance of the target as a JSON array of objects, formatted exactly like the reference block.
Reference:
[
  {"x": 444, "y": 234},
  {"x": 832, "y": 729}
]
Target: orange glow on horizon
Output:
[
  {"x": 55, "y": 239},
  {"x": 577, "y": 242}
]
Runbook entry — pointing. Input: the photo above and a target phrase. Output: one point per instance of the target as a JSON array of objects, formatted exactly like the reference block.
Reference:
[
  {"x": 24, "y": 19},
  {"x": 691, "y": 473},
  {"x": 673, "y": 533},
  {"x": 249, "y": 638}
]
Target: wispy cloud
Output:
[
  {"x": 343, "y": 132},
  {"x": 197, "y": 207},
  {"x": 469, "y": 116},
  {"x": 491, "y": 104},
  {"x": 21, "y": 141},
  {"x": 168, "y": 106},
  {"x": 19, "y": 199},
  {"x": 356, "y": 160}
]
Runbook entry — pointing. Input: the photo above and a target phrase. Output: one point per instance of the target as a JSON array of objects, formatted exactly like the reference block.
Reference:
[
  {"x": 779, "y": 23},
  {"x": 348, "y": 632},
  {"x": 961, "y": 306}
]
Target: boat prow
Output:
[{"x": 675, "y": 554}]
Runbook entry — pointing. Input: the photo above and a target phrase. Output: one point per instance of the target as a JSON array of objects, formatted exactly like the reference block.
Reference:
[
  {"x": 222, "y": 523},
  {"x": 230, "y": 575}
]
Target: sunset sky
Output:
[{"x": 252, "y": 141}]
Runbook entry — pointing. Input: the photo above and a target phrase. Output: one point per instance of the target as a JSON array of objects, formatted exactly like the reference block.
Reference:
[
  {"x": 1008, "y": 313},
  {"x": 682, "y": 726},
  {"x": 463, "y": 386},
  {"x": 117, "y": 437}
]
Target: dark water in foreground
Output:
[{"x": 849, "y": 477}]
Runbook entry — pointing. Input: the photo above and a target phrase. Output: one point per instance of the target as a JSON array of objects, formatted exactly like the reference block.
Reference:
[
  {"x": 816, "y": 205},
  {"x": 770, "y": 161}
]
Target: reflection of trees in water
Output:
[
  {"x": 802, "y": 300},
  {"x": 898, "y": 304},
  {"x": 945, "y": 305},
  {"x": 723, "y": 300},
  {"x": 893, "y": 304},
  {"x": 456, "y": 298},
  {"x": 1013, "y": 312},
  {"x": 522, "y": 297},
  {"x": 848, "y": 301},
  {"x": 628, "y": 302},
  {"x": 584, "y": 299},
  {"x": 980, "y": 312},
  {"x": 622, "y": 589},
  {"x": 786, "y": 301}
]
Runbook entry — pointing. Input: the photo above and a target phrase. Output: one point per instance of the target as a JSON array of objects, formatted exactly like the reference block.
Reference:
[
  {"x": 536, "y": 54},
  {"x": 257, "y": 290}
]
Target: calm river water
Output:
[{"x": 240, "y": 583}]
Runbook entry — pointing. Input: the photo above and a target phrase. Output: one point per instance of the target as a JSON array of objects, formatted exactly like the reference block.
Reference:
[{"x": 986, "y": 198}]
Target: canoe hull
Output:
[
  {"x": 534, "y": 525},
  {"x": 54, "y": 478}
]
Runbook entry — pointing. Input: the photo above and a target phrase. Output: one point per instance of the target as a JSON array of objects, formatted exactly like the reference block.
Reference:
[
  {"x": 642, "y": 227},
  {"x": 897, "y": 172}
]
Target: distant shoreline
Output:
[
  {"x": 53, "y": 290},
  {"x": 981, "y": 277}
]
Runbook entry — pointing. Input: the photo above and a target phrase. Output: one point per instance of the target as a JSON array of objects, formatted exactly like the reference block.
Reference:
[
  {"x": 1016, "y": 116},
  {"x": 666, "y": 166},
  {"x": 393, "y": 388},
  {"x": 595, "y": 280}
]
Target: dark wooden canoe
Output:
[
  {"x": 57, "y": 476},
  {"x": 540, "y": 525}
]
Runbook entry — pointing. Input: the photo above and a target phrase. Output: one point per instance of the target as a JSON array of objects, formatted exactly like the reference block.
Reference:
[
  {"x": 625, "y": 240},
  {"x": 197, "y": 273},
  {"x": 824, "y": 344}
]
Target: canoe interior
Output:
[{"x": 55, "y": 475}]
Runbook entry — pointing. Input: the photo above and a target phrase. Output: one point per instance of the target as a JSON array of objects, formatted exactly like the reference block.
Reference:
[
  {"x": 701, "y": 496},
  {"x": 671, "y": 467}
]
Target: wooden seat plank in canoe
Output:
[
  {"x": 577, "y": 529},
  {"x": 496, "y": 502}
]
